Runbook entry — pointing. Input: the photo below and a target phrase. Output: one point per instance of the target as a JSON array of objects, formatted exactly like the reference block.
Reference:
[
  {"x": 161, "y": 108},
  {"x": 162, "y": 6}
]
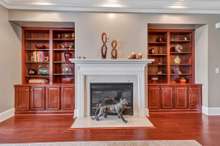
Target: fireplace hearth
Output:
[{"x": 111, "y": 93}]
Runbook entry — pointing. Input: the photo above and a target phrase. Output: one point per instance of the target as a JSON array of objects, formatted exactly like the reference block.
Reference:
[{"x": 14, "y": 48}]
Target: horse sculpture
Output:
[{"x": 103, "y": 110}]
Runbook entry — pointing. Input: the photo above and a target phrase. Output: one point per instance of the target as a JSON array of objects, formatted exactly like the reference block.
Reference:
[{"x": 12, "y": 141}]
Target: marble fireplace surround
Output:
[{"x": 109, "y": 71}]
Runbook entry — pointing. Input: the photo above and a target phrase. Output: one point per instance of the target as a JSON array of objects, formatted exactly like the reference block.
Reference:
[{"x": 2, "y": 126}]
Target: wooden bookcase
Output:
[
  {"x": 44, "y": 55},
  {"x": 47, "y": 78},
  {"x": 173, "y": 52},
  {"x": 171, "y": 77}
]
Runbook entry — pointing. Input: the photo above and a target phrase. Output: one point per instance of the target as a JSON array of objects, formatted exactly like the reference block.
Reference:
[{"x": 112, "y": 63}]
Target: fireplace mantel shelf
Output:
[{"x": 111, "y": 61}]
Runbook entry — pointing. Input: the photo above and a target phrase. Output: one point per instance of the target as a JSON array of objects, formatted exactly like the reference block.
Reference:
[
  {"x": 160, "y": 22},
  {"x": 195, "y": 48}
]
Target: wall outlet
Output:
[{"x": 217, "y": 70}]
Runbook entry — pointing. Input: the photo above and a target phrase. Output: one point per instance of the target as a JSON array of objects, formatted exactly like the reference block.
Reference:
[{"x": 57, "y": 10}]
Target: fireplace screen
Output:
[{"x": 111, "y": 93}]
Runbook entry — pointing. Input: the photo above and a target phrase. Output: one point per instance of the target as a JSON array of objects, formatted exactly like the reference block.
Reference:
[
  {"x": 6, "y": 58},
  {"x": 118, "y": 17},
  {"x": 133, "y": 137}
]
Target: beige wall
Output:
[
  {"x": 131, "y": 31},
  {"x": 10, "y": 58}
]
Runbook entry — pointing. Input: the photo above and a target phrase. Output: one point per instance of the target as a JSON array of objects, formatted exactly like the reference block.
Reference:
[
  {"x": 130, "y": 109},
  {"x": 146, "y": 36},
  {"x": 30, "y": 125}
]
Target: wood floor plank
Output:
[{"x": 185, "y": 126}]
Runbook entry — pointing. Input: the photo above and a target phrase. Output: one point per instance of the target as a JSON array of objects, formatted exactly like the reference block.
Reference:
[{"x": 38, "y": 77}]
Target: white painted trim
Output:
[
  {"x": 211, "y": 111},
  {"x": 205, "y": 110},
  {"x": 3, "y": 3},
  {"x": 159, "y": 8},
  {"x": 217, "y": 25},
  {"x": 147, "y": 113},
  {"x": 7, "y": 114},
  {"x": 75, "y": 113},
  {"x": 88, "y": 67},
  {"x": 111, "y": 61},
  {"x": 116, "y": 10}
]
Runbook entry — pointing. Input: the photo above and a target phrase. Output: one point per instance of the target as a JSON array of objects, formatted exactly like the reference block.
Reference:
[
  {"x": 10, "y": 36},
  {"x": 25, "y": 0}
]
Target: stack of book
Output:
[{"x": 38, "y": 56}]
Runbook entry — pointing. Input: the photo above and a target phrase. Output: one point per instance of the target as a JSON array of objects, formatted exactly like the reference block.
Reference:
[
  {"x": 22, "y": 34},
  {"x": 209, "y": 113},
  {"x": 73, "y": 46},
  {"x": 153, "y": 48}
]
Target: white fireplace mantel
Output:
[{"x": 109, "y": 67}]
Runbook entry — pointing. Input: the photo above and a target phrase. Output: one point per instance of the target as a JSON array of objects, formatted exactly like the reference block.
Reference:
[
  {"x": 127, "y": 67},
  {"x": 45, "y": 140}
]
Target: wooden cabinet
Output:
[
  {"x": 154, "y": 97},
  {"x": 53, "y": 98},
  {"x": 48, "y": 99},
  {"x": 22, "y": 94},
  {"x": 67, "y": 98},
  {"x": 195, "y": 93},
  {"x": 166, "y": 97},
  {"x": 181, "y": 97},
  {"x": 37, "y": 98},
  {"x": 174, "y": 98}
]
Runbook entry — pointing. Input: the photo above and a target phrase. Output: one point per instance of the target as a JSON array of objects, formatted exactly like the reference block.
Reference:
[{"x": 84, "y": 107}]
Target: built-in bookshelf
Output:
[
  {"x": 173, "y": 52},
  {"x": 45, "y": 55},
  {"x": 171, "y": 85}
]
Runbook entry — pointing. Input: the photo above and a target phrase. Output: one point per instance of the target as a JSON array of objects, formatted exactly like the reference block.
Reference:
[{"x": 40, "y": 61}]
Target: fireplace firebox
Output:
[{"x": 111, "y": 93}]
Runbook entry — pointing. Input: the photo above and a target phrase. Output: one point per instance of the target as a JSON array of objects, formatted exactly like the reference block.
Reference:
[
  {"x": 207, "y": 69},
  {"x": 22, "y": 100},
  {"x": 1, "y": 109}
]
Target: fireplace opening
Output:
[{"x": 111, "y": 93}]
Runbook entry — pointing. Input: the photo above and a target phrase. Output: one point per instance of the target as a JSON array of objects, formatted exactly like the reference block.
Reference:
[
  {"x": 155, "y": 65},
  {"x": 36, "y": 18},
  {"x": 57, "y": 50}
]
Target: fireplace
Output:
[
  {"x": 111, "y": 93},
  {"x": 89, "y": 71}
]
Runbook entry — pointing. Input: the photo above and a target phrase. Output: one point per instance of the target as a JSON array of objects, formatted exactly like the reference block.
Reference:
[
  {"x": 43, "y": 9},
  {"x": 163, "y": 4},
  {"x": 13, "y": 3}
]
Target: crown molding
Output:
[
  {"x": 115, "y": 10},
  {"x": 57, "y": 7}
]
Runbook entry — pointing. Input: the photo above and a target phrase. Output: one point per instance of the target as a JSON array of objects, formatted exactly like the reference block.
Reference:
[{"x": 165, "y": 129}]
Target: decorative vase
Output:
[
  {"x": 43, "y": 70},
  {"x": 114, "y": 52},
  {"x": 104, "y": 47},
  {"x": 182, "y": 80},
  {"x": 177, "y": 60}
]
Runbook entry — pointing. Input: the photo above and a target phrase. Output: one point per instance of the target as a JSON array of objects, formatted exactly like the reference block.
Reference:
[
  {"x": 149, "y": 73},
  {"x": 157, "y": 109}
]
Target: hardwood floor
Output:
[{"x": 56, "y": 128}]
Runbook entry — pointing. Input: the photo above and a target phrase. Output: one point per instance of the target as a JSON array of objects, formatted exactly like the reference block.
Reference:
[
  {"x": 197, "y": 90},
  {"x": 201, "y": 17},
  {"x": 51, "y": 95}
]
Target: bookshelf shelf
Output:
[
  {"x": 56, "y": 39},
  {"x": 37, "y": 49},
  {"x": 62, "y": 74},
  {"x": 37, "y": 39}
]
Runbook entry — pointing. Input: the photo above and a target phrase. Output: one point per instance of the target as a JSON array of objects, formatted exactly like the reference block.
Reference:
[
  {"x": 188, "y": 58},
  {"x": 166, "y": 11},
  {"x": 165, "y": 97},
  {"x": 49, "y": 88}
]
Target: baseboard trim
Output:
[
  {"x": 211, "y": 111},
  {"x": 75, "y": 114},
  {"x": 7, "y": 114},
  {"x": 147, "y": 113}
]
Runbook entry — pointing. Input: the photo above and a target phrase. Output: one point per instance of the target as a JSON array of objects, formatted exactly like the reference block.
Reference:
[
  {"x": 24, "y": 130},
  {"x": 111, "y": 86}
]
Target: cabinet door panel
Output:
[
  {"x": 194, "y": 97},
  {"x": 181, "y": 97},
  {"x": 22, "y": 96},
  {"x": 166, "y": 97},
  {"x": 53, "y": 98},
  {"x": 37, "y": 98},
  {"x": 153, "y": 97},
  {"x": 67, "y": 98}
]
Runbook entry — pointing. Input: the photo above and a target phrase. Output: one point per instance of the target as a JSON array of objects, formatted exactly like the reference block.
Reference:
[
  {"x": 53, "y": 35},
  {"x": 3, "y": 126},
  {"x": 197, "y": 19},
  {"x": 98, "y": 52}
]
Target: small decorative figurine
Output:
[
  {"x": 104, "y": 47},
  {"x": 32, "y": 71},
  {"x": 139, "y": 56},
  {"x": 114, "y": 52},
  {"x": 178, "y": 48},
  {"x": 159, "y": 39},
  {"x": 67, "y": 56},
  {"x": 132, "y": 55}
]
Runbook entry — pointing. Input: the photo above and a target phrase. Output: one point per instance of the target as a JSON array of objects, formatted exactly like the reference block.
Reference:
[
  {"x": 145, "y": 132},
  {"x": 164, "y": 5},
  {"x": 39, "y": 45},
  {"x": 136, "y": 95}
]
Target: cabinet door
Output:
[
  {"x": 22, "y": 96},
  {"x": 181, "y": 97},
  {"x": 53, "y": 98},
  {"x": 67, "y": 98},
  {"x": 153, "y": 97},
  {"x": 195, "y": 97},
  {"x": 166, "y": 97},
  {"x": 37, "y": 98}
]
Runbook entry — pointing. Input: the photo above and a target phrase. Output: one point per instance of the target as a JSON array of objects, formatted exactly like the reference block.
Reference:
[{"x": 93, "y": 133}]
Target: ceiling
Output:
[{"x": 139, "y": 6}]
